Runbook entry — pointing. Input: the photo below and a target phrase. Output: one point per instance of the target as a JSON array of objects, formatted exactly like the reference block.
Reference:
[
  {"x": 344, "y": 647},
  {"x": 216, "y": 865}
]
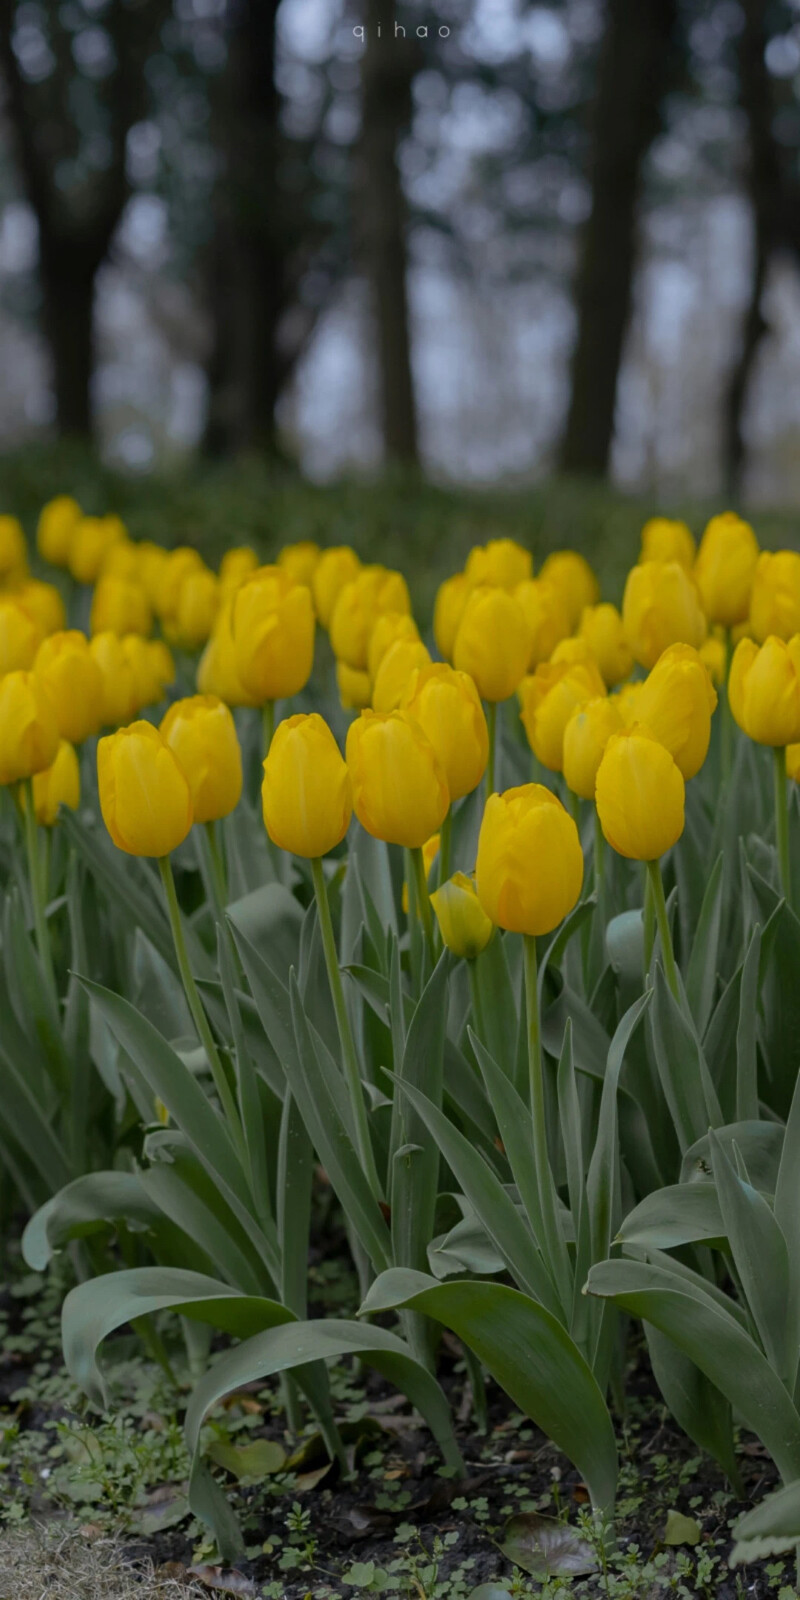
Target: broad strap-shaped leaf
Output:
[
  {"x": 532, "y": 1357},
  {"x": 746, "y": 1053},
  {"x": 415, "y": 1153},
  {"x": 603, "y": 1181},
  {"x": 760, "y": 1255},
  {"x": 701, "y": 975},
  {"x": 88, "y": 1205},
  {"x": 678, "y": 1214},
  {"x": 770, "y": 1528},
  {"x": 685, "y": 1078},
  {"x": 696, "y": 1403},
  {"x": 760, "y": 1144}
]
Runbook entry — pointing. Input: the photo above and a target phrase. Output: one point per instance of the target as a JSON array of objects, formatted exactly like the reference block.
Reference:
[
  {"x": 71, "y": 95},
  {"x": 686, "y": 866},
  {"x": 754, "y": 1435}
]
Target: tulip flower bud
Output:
[
  {"x": 661, "y": 606},
  {"x": 355, "y": 688},
  {"x": 44, "y": 604},
  {"x": 201, "y": 732},
  {"x": 374, "y": 591},
  {"x": 144, "y": 795},
  {"x": 171, "y": 571},
  {"x": 393, "y": 625},
  {"x": 236, "y": 565},
  {"x": 500, "y": 564},
  {"x": 546, "y": 615},
  {"x": 714, "y": 656},
  {"x": 585, "y": 738},
  {"x": 548, "y": 698},
  {"x": 447, "y": 706},
  {"x": 216, "y": 671},
  {"x": 492, "y": 643},
  {"x": 120, "y": 698},
  {"x": 764, "y": 690},
  {"x": 298, "y": 561},
  {"x": 122, "y": 560},
  {"x": 196, "y": 610},
  {"x": 59, "y": 785},
  {"x": 336, "y": 567},
  {"x": 463, "y": 923},
  {"x": 400, "y": 793},
  {"x": 272, "y": 627},
  {"x": 530, "y": 863},
  {"x": 89, "y": 545},
  {"x": 451, "y": 598},
  {"x": 574, "y": 579},
  {"x": 664, "y": 539},
  {"x": 152, "y": 565},
  {"x": 20, "y": 635},
  {"x": 639, "y": 795},
  {"x": 725, "y": 568},
  {"x": 28, "y": 727},
  {"x": 13, "y": 551},
  {"x": 70, "y": 674},
  {"x": 400, "y": 662},
  {"x": 775, "y": 597},
  {"x": 676, "y": 702},
  {"x": 602, "y": 629},
  {"x": 58, "y": 522},
  {"x": 306, "y": 793},
  {"x": 152, "y": 667},
  {"x": 120, "y": 606}
]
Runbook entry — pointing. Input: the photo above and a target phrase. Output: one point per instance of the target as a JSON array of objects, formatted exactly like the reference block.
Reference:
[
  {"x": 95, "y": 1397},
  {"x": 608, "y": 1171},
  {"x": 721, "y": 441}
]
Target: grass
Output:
[{"x": 43, "y": 1560}]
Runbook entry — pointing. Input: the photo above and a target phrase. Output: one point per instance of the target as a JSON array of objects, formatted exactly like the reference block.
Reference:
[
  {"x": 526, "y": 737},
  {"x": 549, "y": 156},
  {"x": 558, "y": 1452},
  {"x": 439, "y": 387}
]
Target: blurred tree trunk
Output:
[
  {"x": 632, "y": 78},
  {"x": 388, "y": 68},
  {"x": 67, "y": 279}
]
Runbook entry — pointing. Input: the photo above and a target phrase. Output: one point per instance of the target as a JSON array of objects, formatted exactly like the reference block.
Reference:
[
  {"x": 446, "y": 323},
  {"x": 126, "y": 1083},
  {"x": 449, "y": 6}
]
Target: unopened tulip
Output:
[
  {"x": 574, "y": 579},
  {"x": 28, "y": 728},
  {"x": 492, "y": 643},
  {"x": 602, "y": 629},
  {"x": 120, "y": 697},
  {"x": 400, "y": 792},
  {"x": 725, "y": 568},
  {"x": 152, "y": 667},
  {"x": 122, "y": 560},
  {"x": 201, "y": 732},
  {"x": 58, "y": 521},
  {"x": 585, "y": 738},
  {"x": 13, "y": 551},
  {"x": 217, "y": 672},
  {"x": 451, "y": 598},
  {"x": 665, "y": 539},
  {"x": 463, "y": 923},
  {"x": 393, "y": 625},
  {"x": 548, "y": 699},
  {"x": 151, "y": 567},
  {"x": 272, "y": 627},
  {"x": 196, "y": 610},
  {"x": 336, "y": 567},
  {"x": 235, "y": 566},
  {"x": 171, "y": 571},
  {"x": 546, "y": 615},
  {"x": 714, "y": 656},
  {"x": 500, "y": 564},
  {"x": 775, "y": 597},
  {"x": 360, "y": 602},
  {"x": 43, "y": 602},
  {"x": 300, "y": 560},
  {"x": 661, "y": 606},
  {"x": 120, "y": 605},
  {"x": 530, "y": 863},
  {"x": 639, "y": 795},
  {"x": 20, "y": 635},
  {"x": 397, "y": 667},
  {"x": 306, "y": 793},
  {"x": 89, "y": 545},
  {"x": 764, "y": 690},
  {"x": 447, "y": 706},
  {"x": 66, "y": 667},
  {"x": 355, "y": 688},
  {"x": 59, "y": 785},
  {"x": 145, "y": 797},
  {"x": 676, "y": 702}
]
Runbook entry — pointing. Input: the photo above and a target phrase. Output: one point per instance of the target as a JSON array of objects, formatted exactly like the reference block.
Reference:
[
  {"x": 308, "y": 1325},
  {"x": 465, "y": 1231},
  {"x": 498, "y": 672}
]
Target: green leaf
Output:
[
  {"x": 546, "y": 1547},
  {"x": 701, "y": 975},
  {"x": 681, "y": 1213},
  {"x": 770, "y": 1528},
  {"x": 248, "y": 1462},
  {"x": 760, "y": 1255},
  {"x": 603, "y": 1181},
  {"x": 685, "y": 1078},
  {"x": 760, "y": 1144},
  {"x": 681, "y": 1530},
  {"x": 415, "y": 1174},
  {"x": 746, "y": 1057},
  {"x": 696, "y": 1404},
  {"x": 92, "y": 1204}
]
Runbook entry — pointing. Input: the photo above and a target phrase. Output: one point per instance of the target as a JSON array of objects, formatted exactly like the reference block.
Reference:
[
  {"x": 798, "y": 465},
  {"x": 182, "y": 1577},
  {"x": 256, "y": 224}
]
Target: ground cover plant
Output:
[{"x": 411, "y": 1007}]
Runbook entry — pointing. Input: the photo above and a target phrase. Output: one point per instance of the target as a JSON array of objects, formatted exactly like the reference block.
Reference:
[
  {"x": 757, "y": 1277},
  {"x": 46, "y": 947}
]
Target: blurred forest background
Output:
[{"x": 490, "y": 238}]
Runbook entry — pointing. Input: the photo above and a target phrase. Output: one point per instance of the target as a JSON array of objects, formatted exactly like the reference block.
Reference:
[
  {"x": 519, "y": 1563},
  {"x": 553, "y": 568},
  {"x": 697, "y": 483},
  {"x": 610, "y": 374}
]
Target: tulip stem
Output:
[
  {"x": 346, "y": 1040},
  {"x": 782, "y": 822},
  {"x": 491, "y": 765},
  {"x": 268, "y": 723},
  {"x": 599, "y": 858},
  {"x": 195, "y": 1004},
  {"x": 553, "y": 1243},
  {"x": 38, "y": 890},
  {"x": 726, "y": 728},
  {"x": 657, "y": 885},
  {"x": 445, "y": 848},
  {"x": 423, "y": 899}
]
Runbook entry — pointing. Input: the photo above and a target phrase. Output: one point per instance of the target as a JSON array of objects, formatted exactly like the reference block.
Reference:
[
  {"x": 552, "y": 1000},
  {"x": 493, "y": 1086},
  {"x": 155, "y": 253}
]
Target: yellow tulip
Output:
[
  {"x": 196, "y": 610},
  {"x": 145, "y": 797},
  {"x": 397, "y": 667},
  {"x": 359, "y": 603},
  {"x": 59, "y": 785},
  {"x": 775, "y": 598},
  {"x": 451, "y": 598},
  {"x": 400, "y": 792},
  {"x": 28, "y": 727},
  {"x": 574, "y": 579},
  {"x": 89, "y": 545},
  {"x": 548, "y": 698},
  {"x": 764, "y": 690},
  {"x": 43, "y": 602},
  {"x": 152, "y": 667},
  {"x": 13, "y": 551},
  {"x": 120, "y": 699},
  {"x": 20, "y": 635},
  {"x": 492, "y": 643},
  {"x": 298, "y": 561},
  {"x": 447, "y": 706},
  {"x": 500, "y": 564},
  {"x": 201, "y": 732},
  {"x": 58, "y": 522},
  {"x": 546, "y": 615},
  {"x": 725, "y": 568},
  {"x": 463, "y": 923},
  {"x": 664, "y": 539},
  {"x": 676, "y": 702},
  {"x": 585, "y": 738},
  {"x": 71, "y": 676},
  {"x": 390, "y": 627},
  {"x": 120, "y": 606},
  {"x": 272, "y": 626},
  {"x": 122, "y": 560},
  {"x": 602, "y": 629},
  {"x": 306, "y": 793},
  {"x": 530, "y": 863},
  {"x": 639, "y": 796},
  {"x": 151, "y": 568},
  {"x": 170, "y": 571},
  {"x": 336, "y": 567},
  {"x": 714, "y": 656},
  {"x": 661, "y": 606},
  {"x": 236, "y": 565},
  {"x": 217, "y": 671},
  {"x": 355, "y": 688}
]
